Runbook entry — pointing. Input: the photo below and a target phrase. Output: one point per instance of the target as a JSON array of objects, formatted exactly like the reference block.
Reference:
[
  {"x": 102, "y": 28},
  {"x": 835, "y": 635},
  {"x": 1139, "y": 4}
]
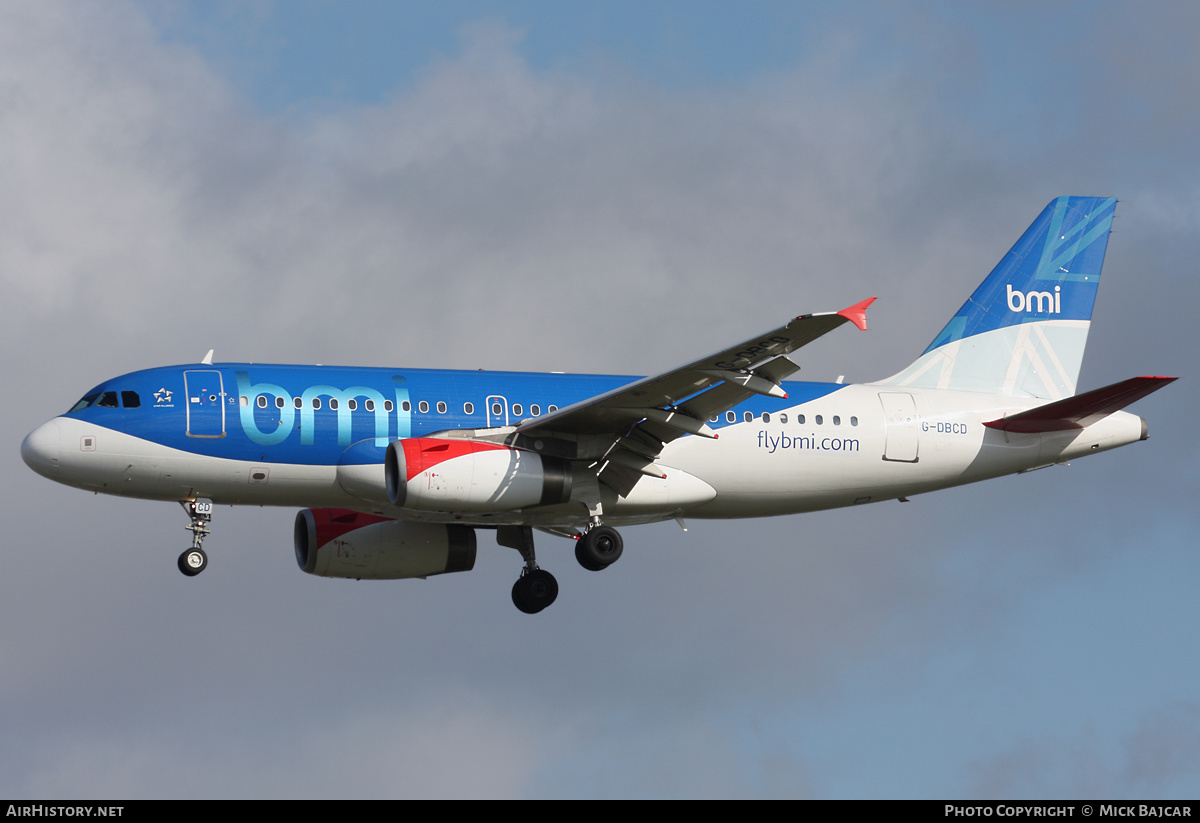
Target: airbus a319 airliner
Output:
[{"x": 400, "y": 468}]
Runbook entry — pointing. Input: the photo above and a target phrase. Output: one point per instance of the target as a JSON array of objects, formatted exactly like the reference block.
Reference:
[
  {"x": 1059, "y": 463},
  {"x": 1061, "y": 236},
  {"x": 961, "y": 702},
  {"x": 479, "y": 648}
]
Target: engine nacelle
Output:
[
  {"x": 344, "y": 543},
  {"x": 429, "y": 474}
]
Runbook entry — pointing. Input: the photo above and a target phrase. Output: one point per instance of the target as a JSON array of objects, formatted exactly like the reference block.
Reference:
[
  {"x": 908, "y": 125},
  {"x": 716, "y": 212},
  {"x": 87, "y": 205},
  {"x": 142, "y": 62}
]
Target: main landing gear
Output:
[
  {"x": 199, "y": 511},
  {"x": 536, "y": 588},
  {"x": 596, "y": 549}
]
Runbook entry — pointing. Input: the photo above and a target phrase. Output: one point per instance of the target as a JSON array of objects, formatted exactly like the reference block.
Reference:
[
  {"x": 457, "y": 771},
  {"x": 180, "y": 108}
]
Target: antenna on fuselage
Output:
[{"x": 208, "y": 358}]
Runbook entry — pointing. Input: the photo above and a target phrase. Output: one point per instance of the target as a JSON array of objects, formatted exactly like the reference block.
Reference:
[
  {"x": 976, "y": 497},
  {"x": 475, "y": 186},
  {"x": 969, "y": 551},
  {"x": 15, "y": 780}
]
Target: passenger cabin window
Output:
[
  {"x": 441, "y": 407},
  {"x": 497, "y": 409},
  {"x": 369, "y": 404},
  {"x": 261, "y": 401},
  {"x": 535, "y": 409},
  {"x": 782, "y": 418},
  {"x": 516, "y": 408},
  {"x": 387, "y": 405},
  {"x": 552, "y": 409},
  {"x": 853, "y": 421},
  {"x": 316, "y": 402},
  {"x": 800, "y": 419},
  {"x": 747, "y": 416},
  {"x": 766, "y": 417},
  {"x": 819, "y": 419},
  {"x": 837, "y": 421},
  {"x": 352, "y": 404},
  {"x": 423, "y": 406},
  {"x": 333, "y": 403},
  {"x": 468, "y": 408},
  {"x": 405, "y": 406},
  {"x": 731, "y": 417},
  {"x": 298, "y": 402},
  {"x": 279, "y": 402}
]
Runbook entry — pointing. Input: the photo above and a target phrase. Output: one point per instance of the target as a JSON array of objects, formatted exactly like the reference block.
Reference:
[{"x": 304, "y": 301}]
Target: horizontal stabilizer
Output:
[{"x": 1083, "y": 409}]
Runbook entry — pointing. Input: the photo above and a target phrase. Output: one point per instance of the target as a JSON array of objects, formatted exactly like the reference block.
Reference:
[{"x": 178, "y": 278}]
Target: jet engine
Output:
[
  {"x": 344, "y": 543},
  {"x": 431, "y": 474}
]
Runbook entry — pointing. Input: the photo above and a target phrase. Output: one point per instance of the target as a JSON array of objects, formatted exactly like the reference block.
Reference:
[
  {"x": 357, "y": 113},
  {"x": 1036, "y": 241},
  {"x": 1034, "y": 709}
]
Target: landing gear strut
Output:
[
  {"x": 199, "y": 511},
  {"x": 599, "y": 548},
  {"x": 536, "y": 588}
]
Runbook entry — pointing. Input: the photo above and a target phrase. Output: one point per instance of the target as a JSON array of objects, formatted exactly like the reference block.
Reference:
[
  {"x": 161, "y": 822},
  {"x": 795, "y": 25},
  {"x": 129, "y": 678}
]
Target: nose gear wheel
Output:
[{"x": 199, "y": 512}]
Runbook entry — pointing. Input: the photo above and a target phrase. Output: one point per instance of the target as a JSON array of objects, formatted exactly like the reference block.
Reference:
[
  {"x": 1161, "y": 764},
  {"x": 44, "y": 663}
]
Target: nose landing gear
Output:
[
  {"x": 193, "y": 561},
  {"x": 199, "y": 511}
]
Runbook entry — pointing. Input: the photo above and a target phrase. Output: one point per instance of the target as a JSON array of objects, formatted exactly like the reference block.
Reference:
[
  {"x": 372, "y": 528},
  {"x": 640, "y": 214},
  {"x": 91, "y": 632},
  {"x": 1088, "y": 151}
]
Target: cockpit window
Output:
[
  {"x": 108, "y": 400},
  {"x": 86, "y": 401}
]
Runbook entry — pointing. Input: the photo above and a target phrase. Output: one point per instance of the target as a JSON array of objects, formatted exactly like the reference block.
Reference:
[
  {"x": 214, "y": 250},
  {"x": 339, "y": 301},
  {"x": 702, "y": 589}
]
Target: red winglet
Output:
[{"x": 857, "y": 314}]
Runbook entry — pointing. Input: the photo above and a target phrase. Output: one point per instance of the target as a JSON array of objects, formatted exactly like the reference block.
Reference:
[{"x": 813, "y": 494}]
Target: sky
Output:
[{"x": 617, "y": 188}]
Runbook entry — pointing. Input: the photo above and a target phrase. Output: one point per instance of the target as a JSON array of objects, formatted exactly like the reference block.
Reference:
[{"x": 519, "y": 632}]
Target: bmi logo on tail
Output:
[{"x": 1046, "y": 303}]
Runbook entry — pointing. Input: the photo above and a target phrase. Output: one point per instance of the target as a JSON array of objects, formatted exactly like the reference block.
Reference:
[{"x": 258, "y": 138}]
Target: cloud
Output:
[
  {"x": 1155, "y": 760},
  {"x": 456, "y": 746},
  {"x": 478, "y": 195}
]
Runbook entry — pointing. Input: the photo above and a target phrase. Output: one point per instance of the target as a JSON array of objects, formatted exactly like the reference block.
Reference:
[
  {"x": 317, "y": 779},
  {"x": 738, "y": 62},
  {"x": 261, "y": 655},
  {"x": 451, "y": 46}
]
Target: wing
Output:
[{"x": 623, "y": 431}]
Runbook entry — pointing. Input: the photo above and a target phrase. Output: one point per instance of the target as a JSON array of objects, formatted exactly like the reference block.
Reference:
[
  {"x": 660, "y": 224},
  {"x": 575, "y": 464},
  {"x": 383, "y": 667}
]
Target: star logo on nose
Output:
[{"x": 162, "y": 396}]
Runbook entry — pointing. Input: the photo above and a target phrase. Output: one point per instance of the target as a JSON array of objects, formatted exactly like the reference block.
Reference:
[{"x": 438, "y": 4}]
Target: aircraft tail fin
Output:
[{"x": 1024, "y": 329}]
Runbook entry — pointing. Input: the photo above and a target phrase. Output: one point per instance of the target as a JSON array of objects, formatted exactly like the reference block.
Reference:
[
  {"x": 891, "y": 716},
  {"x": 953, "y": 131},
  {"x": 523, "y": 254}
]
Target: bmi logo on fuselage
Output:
[{"x": 1042, "y": 302}]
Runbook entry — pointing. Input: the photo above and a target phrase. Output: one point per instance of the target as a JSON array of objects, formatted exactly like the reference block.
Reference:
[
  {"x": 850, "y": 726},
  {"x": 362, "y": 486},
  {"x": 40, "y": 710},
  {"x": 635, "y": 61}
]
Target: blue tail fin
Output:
[{"x": 1024, "y": 329}]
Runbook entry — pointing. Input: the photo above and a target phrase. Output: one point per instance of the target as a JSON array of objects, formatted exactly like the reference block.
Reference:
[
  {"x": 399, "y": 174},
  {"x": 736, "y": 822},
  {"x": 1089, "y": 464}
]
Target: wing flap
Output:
[{"x": 1081, "y": 410}]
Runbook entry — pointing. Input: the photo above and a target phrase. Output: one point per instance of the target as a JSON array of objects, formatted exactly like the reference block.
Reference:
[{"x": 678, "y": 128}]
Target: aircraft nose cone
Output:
[{"x": 40, "y": 449}]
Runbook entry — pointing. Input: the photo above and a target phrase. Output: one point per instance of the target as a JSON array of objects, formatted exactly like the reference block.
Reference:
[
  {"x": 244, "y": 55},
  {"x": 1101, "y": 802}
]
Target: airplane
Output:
[{"x": 398, "y": 469}]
